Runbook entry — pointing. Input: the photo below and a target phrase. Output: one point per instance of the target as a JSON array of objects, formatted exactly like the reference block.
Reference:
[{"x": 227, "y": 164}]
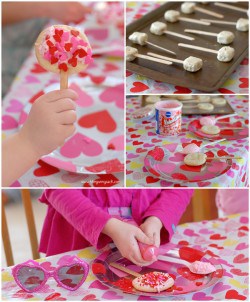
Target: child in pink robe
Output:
[{"x": 78, "y": 218}]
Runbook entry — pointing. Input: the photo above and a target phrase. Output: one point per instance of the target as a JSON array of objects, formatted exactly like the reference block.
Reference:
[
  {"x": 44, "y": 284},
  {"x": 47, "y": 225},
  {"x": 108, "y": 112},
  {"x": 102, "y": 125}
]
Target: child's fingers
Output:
[
  {"x": 68, "y": 130},
  {"x": 63, "y": 105},
  {"x": 140, "y": 236},
  {"x": 157, "y": 239},
  {"x": 61, "y": 94},
  {"x": 67, "y": 117}
]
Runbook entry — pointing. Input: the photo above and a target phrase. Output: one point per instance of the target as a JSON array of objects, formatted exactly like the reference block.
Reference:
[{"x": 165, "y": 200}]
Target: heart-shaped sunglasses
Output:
[{"x": 31, "y": 276}]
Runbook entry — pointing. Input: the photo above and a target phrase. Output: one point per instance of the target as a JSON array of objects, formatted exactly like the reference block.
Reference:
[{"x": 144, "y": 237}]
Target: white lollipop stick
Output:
[
  {"x": 191, "y": 64},
  {"x": 184, "y": 19},
  {"x": 224, "y": 54},
  {"x": 142, "y": 39},
  {"x": 172, "y": 33},
  {"x": 164, "y": 49},
  {"x": 224, "y": 157},
  {"x": 213, "y": 143},
  {"x": 242, "y": 24},
  {"x": 223, "y": 37},
  {"x": 190, "y": 7},
  {"x": 160, "y": 28},
  {"x": 229, "y": 6},
  {"x": 225, "y": 116},
  {"x": 132, "y": 53}
]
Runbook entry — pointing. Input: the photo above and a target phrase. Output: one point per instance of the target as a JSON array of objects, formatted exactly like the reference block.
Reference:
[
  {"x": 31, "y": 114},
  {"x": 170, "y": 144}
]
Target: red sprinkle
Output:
[
  {"x": 67, "y": 46},
  {"x": 63, "y": 66},
  {"x": 49, "y": 43},
  {"x": 57, "y": 38},
  {"x": 59, "y": 32},
  {"x": 82, "y": 53},
  {"x": 53, "y": 60},
  {"x": 75, "y": 32},
  {"x": 52, "y": 50},
  {"x": 73, "y": 62}
]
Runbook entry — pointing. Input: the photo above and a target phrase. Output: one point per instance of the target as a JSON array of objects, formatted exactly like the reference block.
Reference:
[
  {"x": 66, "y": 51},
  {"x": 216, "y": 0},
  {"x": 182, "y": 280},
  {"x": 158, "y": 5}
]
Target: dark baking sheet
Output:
[
  {"x": 214, "y": 73},
  {"x": 223, "y": 110}
]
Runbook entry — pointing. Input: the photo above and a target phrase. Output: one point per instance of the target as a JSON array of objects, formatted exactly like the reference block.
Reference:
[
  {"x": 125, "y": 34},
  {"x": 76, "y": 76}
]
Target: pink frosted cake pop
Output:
[
  {"x": 207, "y": 121},
  {"x": 191, "y": 148}
]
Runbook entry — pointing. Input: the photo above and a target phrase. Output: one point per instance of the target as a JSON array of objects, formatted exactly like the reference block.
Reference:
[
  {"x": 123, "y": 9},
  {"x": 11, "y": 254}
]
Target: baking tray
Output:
[
  {"x": 213, "y": 74},
  {"x": 223, "y": 110}
]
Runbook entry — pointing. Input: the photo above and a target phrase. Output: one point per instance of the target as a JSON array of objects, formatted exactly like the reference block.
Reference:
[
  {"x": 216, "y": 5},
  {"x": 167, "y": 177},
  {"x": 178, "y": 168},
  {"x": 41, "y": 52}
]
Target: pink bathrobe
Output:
[{"x": 76, "y": 217}]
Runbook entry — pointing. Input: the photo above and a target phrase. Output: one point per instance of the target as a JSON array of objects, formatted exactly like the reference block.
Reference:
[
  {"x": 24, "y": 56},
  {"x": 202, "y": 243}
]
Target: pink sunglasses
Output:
[{"x": 31, "y": 276}]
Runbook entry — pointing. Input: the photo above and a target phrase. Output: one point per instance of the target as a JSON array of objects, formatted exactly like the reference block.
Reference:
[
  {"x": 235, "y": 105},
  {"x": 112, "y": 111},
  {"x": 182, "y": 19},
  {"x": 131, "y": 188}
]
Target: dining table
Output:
[
  {"x": 142, "y": 138},
  {"x": 101, "y": 102},
  {"x": 238, "y": 82},
  {"x": 224, "y": 239}
]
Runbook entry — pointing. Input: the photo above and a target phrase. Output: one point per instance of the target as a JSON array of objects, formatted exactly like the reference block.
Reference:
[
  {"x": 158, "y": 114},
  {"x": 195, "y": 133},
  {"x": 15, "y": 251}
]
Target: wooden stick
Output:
[
  {"x": 229, "y": 6},
  {"x": 172, "y": 33},
  {"x": 169, "y": 51},
  {"x": 209, "y": 12},
  {"x": 197, "y": 47},
  {"x": 63, "y": 80},
  {"x": 194, "y": 21},
  {"x": 200, "y": 32},
  {"x": 224, "y": 157},
  {"x": 164, "y": 58},
  {"x": 154, "y": 59},
  {"x": 213, "y": 143},
  {"x": 219, "y": 22},
  {"x": 124, "y": 269},
  {"x": 231, "y": 128}
]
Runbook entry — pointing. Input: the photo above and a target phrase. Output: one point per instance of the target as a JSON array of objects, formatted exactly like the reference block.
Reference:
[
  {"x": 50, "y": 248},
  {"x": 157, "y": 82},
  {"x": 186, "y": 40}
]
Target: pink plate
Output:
[
  {"x": 97, "y": 146},
  {"x": 229, "y": 135},
  {"x": 171, "y": 167},
  {"x": 185, "y": 281}
]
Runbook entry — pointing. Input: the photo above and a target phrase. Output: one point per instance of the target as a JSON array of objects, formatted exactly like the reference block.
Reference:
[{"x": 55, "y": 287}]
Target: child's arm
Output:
[
  {"x": 94, "y": 224},
  {"x": 49, "y": 123},
  {"x": 163, "y": 215}
]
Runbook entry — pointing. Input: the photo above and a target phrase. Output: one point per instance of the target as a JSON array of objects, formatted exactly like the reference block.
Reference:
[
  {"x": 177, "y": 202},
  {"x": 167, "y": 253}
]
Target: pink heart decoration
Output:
[
  {"x": 241, "y": 246},
  {"x": 217, "y": 167},
  {"x": 219, "y": 287},
  {"x": 97, "y": 284},
  {"x": 117, "y": 142},
  {"x": 167, "y": 168},
  {"x": 205, "y": 231},
  {"x": 171, "y": 147},
  {"x": 31, "y": 79},
  {"x": 73, "y": 177},
  {"x": 114, "y": 94},
  {"x": 200, "y": 296},
  {"x": 177, "y": 157},
  {"x": 8, "y": 122},
  {"x": 84, "y": 100},
  {"x": 110, "y": 295},
  {"x": 15, "y": 106},
  {"x": 78, "y": 144}
]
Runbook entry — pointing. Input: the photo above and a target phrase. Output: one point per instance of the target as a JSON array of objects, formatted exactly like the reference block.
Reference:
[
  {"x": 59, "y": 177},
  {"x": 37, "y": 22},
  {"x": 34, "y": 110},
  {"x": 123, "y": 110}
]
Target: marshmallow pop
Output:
[{"x": 63, "y": 49}]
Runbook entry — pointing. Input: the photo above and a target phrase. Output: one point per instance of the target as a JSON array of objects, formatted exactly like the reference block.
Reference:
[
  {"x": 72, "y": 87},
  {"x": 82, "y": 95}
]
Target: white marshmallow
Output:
[
  {"x": 139, "y": 38},
  {"x": 188, "y": 7},
  {"x": 152, "y": 99},
  {"x": 206, "y": 106},
  {"x": 131, "y": 53},
  {"x": 192, "y": 64},
  {"x": 225, "y": 37},
  {"x": 172, "y": 16},
  {"x": 210, "y": 129},
  {"x": 225, "y": 54},
  {"x": 204, "y": 98},
  {"x": 158, "y": 28},
  {"x": 219, "y": 102},
  {"x": 242, "y": 24}
]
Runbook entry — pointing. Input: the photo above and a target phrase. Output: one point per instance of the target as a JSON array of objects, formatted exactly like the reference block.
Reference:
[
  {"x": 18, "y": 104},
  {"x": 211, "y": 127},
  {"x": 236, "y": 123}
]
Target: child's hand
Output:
[
  {"x": 125, "y": 237},
  {"x": 152, "y": 228},
  {"x": 50, "y": 121}
]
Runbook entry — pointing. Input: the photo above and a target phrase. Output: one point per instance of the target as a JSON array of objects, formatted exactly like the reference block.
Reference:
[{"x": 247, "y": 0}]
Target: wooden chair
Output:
[
  {"x": 201, "y": 207},
  {"x": 26, "y": 200}
]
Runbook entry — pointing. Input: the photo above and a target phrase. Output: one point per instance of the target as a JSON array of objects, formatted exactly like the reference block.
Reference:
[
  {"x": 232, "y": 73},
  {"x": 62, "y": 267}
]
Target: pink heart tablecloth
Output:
[
  {"x": 238, "y": 82},
  {"x": 225, "y": 239},
  {"x": 141, "y": 138},
  {"x": 31, "y": 81}
]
